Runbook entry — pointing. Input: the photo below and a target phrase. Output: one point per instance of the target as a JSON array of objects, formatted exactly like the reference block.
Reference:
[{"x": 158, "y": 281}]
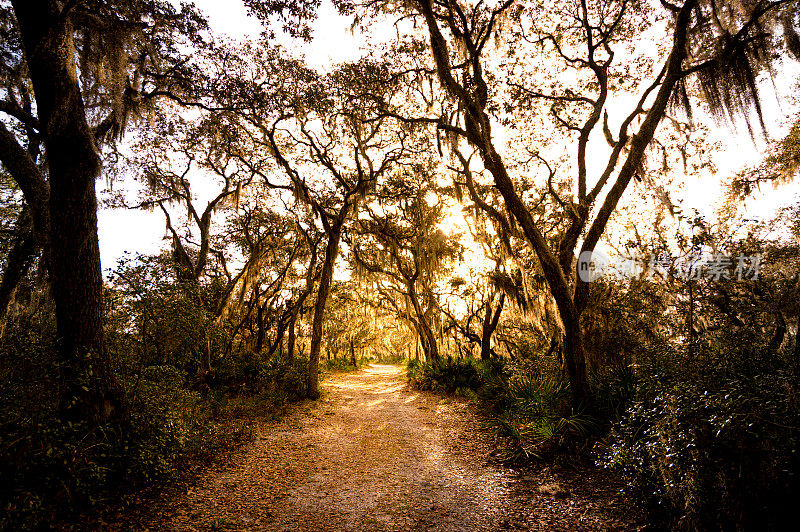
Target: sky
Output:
[{"x": 122, "y": 230}]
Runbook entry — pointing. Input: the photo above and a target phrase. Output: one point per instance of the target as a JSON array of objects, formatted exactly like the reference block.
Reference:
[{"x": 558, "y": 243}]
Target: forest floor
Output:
[{"x": 374, "y": 455}]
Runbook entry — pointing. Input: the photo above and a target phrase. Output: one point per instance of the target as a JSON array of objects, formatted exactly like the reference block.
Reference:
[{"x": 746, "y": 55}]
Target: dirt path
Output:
[{"x": 373, "y": 455}]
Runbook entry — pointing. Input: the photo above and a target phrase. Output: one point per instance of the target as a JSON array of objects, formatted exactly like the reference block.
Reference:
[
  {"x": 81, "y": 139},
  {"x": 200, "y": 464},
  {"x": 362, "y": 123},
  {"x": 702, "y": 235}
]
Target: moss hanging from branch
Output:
[{"x": 729, "y": 81}]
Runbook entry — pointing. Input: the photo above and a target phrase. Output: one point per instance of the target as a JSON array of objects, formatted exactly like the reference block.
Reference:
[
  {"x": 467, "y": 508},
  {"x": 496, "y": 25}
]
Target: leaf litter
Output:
[{"x": 374, "y": 455}]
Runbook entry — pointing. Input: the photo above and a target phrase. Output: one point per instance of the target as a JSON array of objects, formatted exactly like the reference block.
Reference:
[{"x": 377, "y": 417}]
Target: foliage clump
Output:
[
  {"x": 527, "y": 404},
  {"x": 712, "y": 450},
  {"x": 530, "y": 410},
  {"x": 54, "y": 470},
  {"x": 447, "y": 374}
]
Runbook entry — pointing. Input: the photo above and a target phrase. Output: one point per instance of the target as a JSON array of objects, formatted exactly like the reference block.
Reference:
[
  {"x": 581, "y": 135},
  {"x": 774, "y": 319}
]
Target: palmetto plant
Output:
[{"x": 533, "y": 414}]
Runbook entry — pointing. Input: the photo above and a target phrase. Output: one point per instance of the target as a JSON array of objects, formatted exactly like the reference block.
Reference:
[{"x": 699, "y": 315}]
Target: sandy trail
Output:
[{"x": 374, "y": 455}]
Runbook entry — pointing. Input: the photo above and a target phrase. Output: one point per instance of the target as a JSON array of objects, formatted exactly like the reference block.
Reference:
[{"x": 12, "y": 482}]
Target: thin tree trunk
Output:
[
  {"x": 74, "y": 166},
  {"x": 427, "y": 336},
  {"x": 331, "y": 251},
  {"x": 280, "y": 333},
  {"x": 18, "y": 263},
  {"x": 780, "y": 332},
  {"x": 552, "y": 348},
  {"x": 489, "y": 326},
  {"x": 292, "y": 335},
  {"x": 35, "y": 190},
  {"x": 260, "y": 328},
  {"x": 486, "y": 336}
]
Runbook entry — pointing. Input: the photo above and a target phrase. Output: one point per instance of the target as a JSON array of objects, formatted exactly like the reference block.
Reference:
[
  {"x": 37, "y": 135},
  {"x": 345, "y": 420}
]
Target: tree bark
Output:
[
  {"x": 74, "y": 166},
  {"x": 353, "y": 353},
  {"x": 18, "y": 263},
  {"x": 489, "y": 326},
  {"x": 292, "y": 335},
  {"x": 427, "y": 338},
  {"x": 35, "y": 190},
  {"x": 331, "y": 252}
]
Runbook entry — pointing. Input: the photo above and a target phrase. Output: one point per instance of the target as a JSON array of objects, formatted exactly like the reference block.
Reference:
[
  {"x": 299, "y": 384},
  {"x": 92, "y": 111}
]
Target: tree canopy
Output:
[{"x": 442, "y": 196}]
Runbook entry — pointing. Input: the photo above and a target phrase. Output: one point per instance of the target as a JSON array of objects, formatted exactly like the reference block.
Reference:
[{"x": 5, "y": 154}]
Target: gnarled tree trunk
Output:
[
  {"x": 489, "y": 326},
  {"x": 19, "y": 260},
  {"x": 426, "y": 336},
  {"x": 74, "y": 166},
  {"x": 331, "y": 252}
]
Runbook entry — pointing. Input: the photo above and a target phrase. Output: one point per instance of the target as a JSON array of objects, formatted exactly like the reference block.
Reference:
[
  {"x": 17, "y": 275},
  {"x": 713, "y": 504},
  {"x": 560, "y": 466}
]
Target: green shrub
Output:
[
  {"x": 157, "y": 330},
  {"x": 337, "y": 364},
  {"x": 526, "y": 402},
  {"x": 447, "y": 374},
  {"x": 172, "y": 426},
  {"x": 51, "y": 471},
  {"x": 530, "y": 410},
  {"x": 390, "y": 357},
  {"x": 714, "y": 452},
  {"x": 280, "y": 378},
  {"x": 613, "y": 387}
]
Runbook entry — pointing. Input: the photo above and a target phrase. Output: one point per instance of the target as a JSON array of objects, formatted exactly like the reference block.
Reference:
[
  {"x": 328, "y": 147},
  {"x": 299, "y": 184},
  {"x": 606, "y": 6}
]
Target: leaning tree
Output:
[
  {"x": 572, "y": 61},
  {"x": 317, "y": 138}
]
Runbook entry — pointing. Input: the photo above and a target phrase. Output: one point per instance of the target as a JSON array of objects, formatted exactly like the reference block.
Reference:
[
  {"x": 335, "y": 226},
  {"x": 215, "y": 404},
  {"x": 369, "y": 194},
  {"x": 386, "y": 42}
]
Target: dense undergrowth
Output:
[
  {"x": 712, "y": 449},
  {"x": 160, "y": 332},
  {"x": 709, "y": 445},
  {"x": 56, "y": 472},
  {"x": 526, "y": 402},
  {"x": 342, "y": 364}
]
